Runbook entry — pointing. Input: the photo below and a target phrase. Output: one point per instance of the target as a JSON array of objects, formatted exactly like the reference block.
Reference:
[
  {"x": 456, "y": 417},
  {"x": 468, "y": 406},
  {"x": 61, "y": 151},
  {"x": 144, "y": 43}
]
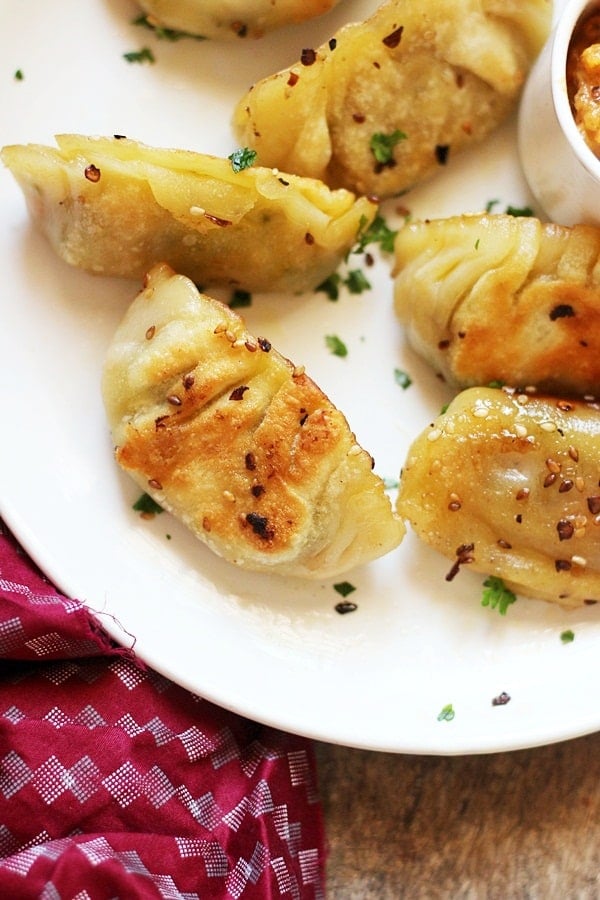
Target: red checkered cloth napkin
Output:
[{"x": 117, "y": 783}]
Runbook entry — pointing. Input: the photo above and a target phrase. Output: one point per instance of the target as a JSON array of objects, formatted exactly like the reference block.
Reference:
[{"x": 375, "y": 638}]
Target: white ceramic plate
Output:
[{"x": 271, "y": 649}]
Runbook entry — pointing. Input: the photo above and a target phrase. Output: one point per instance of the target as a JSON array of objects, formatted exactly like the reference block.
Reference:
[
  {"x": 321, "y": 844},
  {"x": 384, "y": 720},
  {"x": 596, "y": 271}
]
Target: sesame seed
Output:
[
  {"x": 522, "y": 494},
  {"x": 480, "y": 412},
  {"x": 574, "y": 454},
  {"x": 197, "y": 211},
  {"x": 549, "y": 479},
  {"x": 553, "y": 466},
  {"x": 520, "y": 430},
  {"x": 251, "y": 346},
  {"x": 580, "y": 483},
  {"x": 579, "y": 561},
  {"x": 220, "y": 328},
  {"x": 150, "y": 332},
  {"x": 298, "y": 371},
  {"x": 229, "y": 496},
  {"x": 548, "y": 426},
  {"x": 230, "y": 336},
  {"x": 523, "y": 398},
  {"x": 434, "y": 434},
  {"x": 355, "y": 450}
]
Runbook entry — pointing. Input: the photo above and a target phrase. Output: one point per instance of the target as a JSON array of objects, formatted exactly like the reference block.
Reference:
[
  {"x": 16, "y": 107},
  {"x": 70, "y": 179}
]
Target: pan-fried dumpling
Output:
[
  {"x": 507, "y": 484},
  {"x": 232, "y": 438},
  {"x": 225, "y": 19},
  {"x": 503, "y": 298},
  {"x": 114, "y": 206},
  {"x": 386, "y": 102}
]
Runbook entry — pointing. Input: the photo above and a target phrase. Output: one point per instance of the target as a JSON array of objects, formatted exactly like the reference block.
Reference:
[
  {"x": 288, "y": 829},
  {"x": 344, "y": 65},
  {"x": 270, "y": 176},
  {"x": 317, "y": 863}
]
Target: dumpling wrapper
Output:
[
  {"x": 432, "y": 78},
  {"x": 507, "y": 484},
  {"x": 227, "y": 19},
  {"x": 113, "y": 206},
  {"x": 500, "y": 298},
  {"x": 233, "y": 439}
]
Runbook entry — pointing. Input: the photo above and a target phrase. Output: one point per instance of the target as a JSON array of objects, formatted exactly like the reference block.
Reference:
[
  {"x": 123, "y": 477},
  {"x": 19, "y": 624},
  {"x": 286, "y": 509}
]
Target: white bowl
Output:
[{"x": 561, "y": 170}]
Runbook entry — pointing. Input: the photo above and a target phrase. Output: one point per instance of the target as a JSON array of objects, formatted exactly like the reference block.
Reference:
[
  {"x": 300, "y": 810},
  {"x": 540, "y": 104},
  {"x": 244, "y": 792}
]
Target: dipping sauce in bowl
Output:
[
  {"x": 583, "y": 77},
  {"x": 559, "y": 110}
]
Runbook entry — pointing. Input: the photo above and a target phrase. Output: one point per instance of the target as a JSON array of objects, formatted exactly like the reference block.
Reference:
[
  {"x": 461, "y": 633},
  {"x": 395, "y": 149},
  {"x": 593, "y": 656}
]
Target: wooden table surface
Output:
[{"x": 520, "y": 824}]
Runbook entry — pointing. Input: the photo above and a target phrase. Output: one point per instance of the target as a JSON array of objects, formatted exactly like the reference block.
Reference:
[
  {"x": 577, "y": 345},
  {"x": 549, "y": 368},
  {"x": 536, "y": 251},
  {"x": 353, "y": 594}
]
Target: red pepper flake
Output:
[
  {"x": 238, "y": 392},
  {"x": 257, "y": 490},
  {"x": 345, "y": 606},
  {"x": 293, "y": 79},
  {"x": 92, "y": 173},
  {"x": 222, "y": 223},
  {"x": 562, "y": 311},
  {"x": 260, "y": 526},
  {"x": 501, "y": 700},
  {"x": 393, "y": 39},
  {"x": 562, "y": 565},
  {"x": 308, "y": 56},
  {"x": 443, "y": 345},
  {"x": 359, "y": 118},
  {"x": 250, "y": 462},
  {"x": 308, "y": 238}
]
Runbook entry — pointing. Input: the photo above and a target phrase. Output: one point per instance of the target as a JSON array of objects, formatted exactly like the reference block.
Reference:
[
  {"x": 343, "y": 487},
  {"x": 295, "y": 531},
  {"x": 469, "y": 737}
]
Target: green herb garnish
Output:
[
  {"x": 344, "y": 588},
  {"x": 356, "y": 282},
  {"x": 147, "y": 505},
  {"x": 378, "y": 232},
  {"x": 525, "y": 211},
  {"x": 242, "y": 158},
  {"x": 402, "y": 378},
  {"x": 567, "y": 637},
  {"x": 19, "y": 75},
  {"x": 446, "y": 714},
  {"x": 140, "y": 56},
  {"x": 331, "y": 286},
  {"x": 165, "y": 34},
  {"x": 337, "y": 346},
  {"x": 496, "y": 595},
  {"x": 382, "y": 145}
]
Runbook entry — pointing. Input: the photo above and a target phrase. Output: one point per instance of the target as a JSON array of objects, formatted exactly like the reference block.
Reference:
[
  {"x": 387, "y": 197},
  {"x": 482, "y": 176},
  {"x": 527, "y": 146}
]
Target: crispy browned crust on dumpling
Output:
[
  {"x": 503, "y": 298},
  {"x": 507, "y": 484},
  {"x": 422, "y": 80},
  {"x": 236, "y": 441},
  {"x": 230, "y": 19},
  {"x": 114, "y": 206}
]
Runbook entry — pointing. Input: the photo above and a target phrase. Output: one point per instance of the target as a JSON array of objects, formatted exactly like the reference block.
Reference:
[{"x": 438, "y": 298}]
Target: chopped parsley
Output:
[
  {"x": 344, "y": 588},
  {"x": 356, "y": 282},
  {"x": 568, "y": 636},
  {"x": 402, "y": 378},
  {"x": 525, "y": 211},
  {"x": 496, "y": 595},
  {"x": 19, "y": 75},
  {"x": 165, "y": 34},
  {"x": 147, "y": 505},
  {"x": 336, "y": 345},
  {"x": 490, "y": 205},
  {"x": 140, "y": 56},
  {"x": 382, "y": 145},
  {"x": 331, "y": 286},
  {"x": 242, "y": 158},
  {"x": 378, "y": 232},
  {"x": 239, "y": 299},
  {"x": 446, "y": 714}
]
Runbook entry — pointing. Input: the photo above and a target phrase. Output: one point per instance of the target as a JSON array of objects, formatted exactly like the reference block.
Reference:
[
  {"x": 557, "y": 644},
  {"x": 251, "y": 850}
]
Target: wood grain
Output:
[{"x": 523, "y": 824}]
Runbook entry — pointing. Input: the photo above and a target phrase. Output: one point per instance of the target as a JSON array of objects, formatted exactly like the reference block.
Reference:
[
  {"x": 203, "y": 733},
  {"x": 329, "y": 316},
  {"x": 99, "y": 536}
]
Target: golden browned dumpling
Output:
[
  {"x": 236, "y": 441},
  {"x": 388, "y": 101},
  {"x": 225, "y": 19},
  {"x": 503, "y": 298},
  {"x": 507, "y": 484},
  {"x": 114, "y": 206}
]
